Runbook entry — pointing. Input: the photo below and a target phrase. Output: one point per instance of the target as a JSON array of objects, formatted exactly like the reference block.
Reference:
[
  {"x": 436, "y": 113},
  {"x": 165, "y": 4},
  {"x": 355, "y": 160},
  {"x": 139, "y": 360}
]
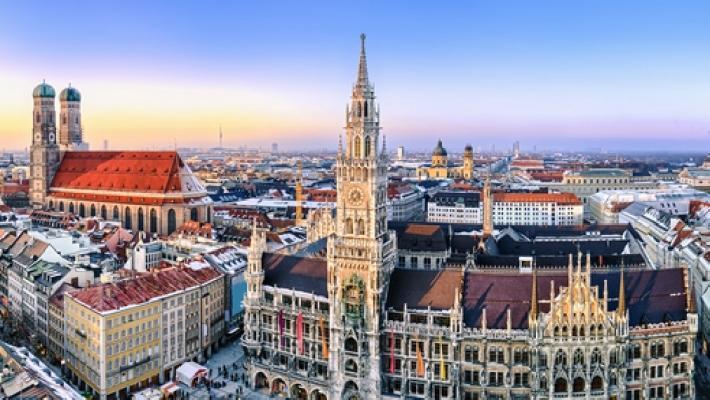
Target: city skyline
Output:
[{"x": 563, "y": 77}]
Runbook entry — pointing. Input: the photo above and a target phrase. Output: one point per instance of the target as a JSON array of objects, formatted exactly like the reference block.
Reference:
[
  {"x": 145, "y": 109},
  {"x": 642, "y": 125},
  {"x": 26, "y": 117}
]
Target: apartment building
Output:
[
  {"x": 537, "y": 209},
  {"x": 129, "y": 334}
]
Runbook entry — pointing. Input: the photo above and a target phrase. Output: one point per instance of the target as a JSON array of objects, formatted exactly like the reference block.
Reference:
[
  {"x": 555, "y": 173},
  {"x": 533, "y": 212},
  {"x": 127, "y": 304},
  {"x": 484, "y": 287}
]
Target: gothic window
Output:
[
  {"x": 115, "y": 213},
  {"x": 172, "y": 223},
  {"x": 358, "y": 146},
  {"x": 349, "y": 226},
  {"x": 597, "y": 383},
  {"x": 127, "y": 223},
  {"x": 153, "y": 221},
  {"x": 578, "y": 357},
  {"x": 141, "y": 222},
  {"x": 351, "y": 345},
  {"x": 92, "y": 210},
  {"x": 680, "y": 347},
  {"x": 368, "y": 144},
  {"x": 360, "y": 227},
  {"x": 104, "y": 215},
  {"x": 561, "y": 359},
  {"x": 471, "y": 354},
  {"x": 657, "y": 350},
  {"x": 365, "y": 104},
  {"x": 353, "y": 297},
  {"x": 578, "y": 385},
  {"x": 561, "y": 385},
  {"x": 596, "y": 356},
  {"x": 37, "y": 118}
]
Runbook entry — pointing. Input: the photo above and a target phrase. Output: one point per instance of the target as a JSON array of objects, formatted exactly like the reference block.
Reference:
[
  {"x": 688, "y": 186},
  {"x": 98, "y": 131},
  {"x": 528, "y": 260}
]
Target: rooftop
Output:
[{"x": 113, "y": 296}]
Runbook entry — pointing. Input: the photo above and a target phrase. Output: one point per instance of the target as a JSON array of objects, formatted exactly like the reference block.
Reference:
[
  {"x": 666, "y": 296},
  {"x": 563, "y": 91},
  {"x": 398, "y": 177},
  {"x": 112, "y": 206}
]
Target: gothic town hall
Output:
[{"x": 350, "y": 320}]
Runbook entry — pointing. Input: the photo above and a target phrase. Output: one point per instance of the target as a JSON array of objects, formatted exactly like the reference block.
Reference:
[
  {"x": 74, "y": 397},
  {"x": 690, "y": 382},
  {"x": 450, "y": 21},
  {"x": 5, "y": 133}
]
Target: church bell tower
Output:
[
  {"x": 44, "y": 152},
  {"x": 362, "y": 251}
]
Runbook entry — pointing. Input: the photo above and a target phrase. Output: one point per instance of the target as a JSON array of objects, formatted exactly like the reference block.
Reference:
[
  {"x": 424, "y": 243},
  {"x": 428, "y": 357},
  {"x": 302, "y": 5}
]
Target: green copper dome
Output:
[
  {"x": 70, "y": 94},
  {"x": 439, "y": 150},
  {"x": 43, "y": 90}
]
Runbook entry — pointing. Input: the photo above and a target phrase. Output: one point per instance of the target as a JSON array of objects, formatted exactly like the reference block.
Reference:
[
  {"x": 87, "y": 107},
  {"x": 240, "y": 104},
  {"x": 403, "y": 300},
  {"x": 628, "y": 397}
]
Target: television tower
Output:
[{"x": 220, "y": 136}]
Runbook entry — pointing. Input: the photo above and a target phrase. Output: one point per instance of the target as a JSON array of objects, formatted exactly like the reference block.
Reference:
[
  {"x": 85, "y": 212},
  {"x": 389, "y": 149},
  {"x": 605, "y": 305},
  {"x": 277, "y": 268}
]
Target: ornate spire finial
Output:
[
  {"x": 362, "y": 68},
  {"x": 384, "y": 145}
]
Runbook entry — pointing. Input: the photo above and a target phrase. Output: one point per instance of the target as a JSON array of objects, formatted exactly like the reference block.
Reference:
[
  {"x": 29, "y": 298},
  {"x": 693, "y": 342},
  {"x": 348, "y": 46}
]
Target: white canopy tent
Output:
[{"x": 189, "y": 372}]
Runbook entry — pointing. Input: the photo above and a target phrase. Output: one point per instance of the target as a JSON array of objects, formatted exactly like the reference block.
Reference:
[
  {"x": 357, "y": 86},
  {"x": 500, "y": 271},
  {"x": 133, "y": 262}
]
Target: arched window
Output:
[
  {"x": 193, "y": 214},
  {"x": 578, "y": 357},
  {"x": 351, "y": 345},
  {"x": 561, "y": 358},
  {"x": 61, "y": 206},
  {"x": 597, "y": 383},
  {"x": 127, "y": 223},
  {"x": 82, "y": 210},
  {"x": 596, "y": 356},
  {"x": 365, "y": 107},
  {"x": 360, "y": 227},
  {"x": 141, "y": 224},
  {"x": 368, "y": 144},
  {"x": 349, "y": 226},
  {"x": 51, "y": 205},
  {"x": 153, "y": 221},
  {"x": 172, "y": 222},
  {"x": 71, "y": 208},
  {"x": 92, "y": 210},
  {"x": 358, "y": 146},
  {"x": 351, "y": 365},
  {"x": 116, "y": 217},
  {"x": 561, "y": 385},
  {"x": 104, "y": 214},
  {"x": 578, "y": 385},
  {"x": 37, "y": 118}
]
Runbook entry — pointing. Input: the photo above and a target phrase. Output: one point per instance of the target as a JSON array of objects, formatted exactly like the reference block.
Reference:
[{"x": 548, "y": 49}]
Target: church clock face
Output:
[
  {"x": 355, "y": 197},
  {"x": 51, "y": 137}
]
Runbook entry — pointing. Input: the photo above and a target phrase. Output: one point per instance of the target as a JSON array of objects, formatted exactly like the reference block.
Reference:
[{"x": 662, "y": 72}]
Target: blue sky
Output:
[{"x": 632, "y": 74}]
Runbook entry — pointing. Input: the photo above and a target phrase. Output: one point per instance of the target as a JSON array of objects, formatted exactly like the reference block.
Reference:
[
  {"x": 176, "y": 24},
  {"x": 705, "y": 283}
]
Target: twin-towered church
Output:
[{"x": 151, "y": 191}]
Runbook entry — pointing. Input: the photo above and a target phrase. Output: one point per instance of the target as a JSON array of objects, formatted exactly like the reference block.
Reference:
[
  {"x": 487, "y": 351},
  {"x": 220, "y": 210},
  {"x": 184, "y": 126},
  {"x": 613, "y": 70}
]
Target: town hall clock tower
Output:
[{"x": 362, "y": 251}]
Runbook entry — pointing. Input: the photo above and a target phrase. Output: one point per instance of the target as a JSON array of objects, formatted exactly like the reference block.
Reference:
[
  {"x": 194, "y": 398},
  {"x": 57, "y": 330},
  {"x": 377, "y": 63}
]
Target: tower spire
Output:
[
  {"x": 533, "y": 297},
  {"x": 362, "y": 67},
  {"x": 621, "y": 309}
]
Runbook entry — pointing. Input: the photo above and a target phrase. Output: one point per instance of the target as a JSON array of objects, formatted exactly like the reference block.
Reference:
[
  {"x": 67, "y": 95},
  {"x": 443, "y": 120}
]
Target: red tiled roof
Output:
[
  {"x": 424, "y": 288},
  {"x": 123, "y": 171},
  {"x": 113, "y": 296},
  {"x": 559, "y": 198}
]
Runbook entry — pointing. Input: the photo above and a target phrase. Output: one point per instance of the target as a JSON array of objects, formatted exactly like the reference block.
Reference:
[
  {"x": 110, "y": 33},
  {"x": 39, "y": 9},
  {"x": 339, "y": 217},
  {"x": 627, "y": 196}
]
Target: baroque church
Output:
[
  {"x": 442, "y": 168},
  {"x": 151, "y": 191},
  {"x": 359, "y": 324}
]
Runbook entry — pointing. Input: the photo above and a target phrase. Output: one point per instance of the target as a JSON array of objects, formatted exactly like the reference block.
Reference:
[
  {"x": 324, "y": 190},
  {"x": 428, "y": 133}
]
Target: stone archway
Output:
[
  {"x": 316, "y": 394},
  {"x": 298, "y": 392},
  {"x": 350, "y": 391},
  {"x": 560, "y": 385},
  {"x": 597, "y": 383},
  {"x": 279, "y": 387},
  {"x": 261, "y": 381},
  {"x": 578, "y": 385}
]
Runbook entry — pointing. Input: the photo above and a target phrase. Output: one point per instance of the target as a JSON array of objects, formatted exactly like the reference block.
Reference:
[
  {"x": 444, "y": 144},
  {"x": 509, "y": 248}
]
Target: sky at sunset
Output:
[{"x": 556, "y": 74}]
